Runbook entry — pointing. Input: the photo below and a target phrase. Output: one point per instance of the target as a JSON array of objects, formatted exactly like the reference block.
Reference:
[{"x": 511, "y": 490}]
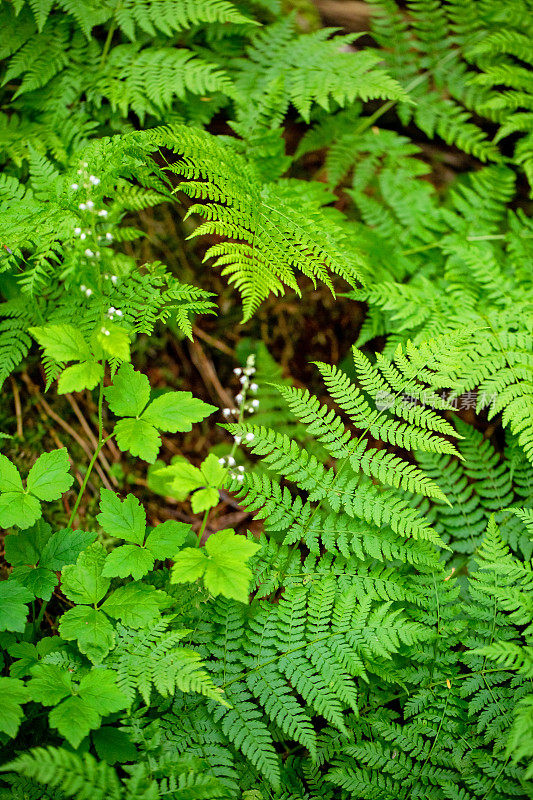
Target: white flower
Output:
[
  {"x": 83, "y": 288},
  {"x": 250, "y": 437},
  {"x": 114, "y": 279},
  {"x": 240, "y": 478},
  {"x": 243, "y": 379},
  {"x": 103, "y": 330},
  {"x": 83, "y": 236},
  {"x": 74, "y": 186},
  {"x": 231, "y": 461},
  {"x": 77, "y": 231},
  {"x": 241, "y": 469},
  {"x": 238, "y": 398},
  {"x": 255, "y": 403},
  {"x": 237, "y": 439},
  {"x": 88, "y": 293},
  {"x": 254, "y": 387},
  {"x": 102, "y": 213},
  {"x": 226, "y": 412},
  {"x": 90, "y": 204},
  {"x": 109, "y": 237},
  {"x": 94, "y": 180},
  {"x": 237, "y": 371},
  {"x": 118, "y": 312},
  {"x": 222, "y": 461},
  {"x": 111, "y": 310},
  {"x": 82, "y": 206},
  {"x": 89, "y": 253}
]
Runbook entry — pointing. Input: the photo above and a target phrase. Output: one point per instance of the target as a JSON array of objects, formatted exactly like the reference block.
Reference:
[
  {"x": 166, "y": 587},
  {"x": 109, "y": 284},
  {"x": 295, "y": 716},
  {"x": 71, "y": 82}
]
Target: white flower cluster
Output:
[
  {"x": 87, "y": 182},
  {"x": 113, "y": 312},
  {"x": 112, "y": 278},
  {"x": 247, "y": 385},
  {"x": 85, "y": 290}
]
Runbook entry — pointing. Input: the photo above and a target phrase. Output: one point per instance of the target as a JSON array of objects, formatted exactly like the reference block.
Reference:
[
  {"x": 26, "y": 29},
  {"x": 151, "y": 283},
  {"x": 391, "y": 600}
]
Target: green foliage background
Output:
[{"x": 369, "y": 635}]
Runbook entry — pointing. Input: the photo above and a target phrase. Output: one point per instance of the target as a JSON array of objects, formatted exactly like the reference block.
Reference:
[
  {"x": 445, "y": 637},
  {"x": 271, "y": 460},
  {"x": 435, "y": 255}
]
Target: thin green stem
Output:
[
  {"x": 86, "y": 478},
  {"x": 100, "y": 405},
  {"x": 109, "y": 39}
]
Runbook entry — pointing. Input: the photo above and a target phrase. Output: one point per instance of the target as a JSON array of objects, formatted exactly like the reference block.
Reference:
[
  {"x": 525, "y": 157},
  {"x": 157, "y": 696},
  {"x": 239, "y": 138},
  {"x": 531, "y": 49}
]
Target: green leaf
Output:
[
  {"x": 19, "y": 509},
  {"x": 204, "y": 499},
  {"x": 114, "y": 745},
  {"x": 226, "y": 572},
  {"x": 166, "y": 539},
  {"x": 117, "y": 343},
  {"x": 137, "y": 605},
  {"x": 189, "y": 564},
  {"x": 13, "y": 693},
  {"x": 99, "y": 689},
  {"x": 10, "y": 480},
  {"x": 39, "y": 581},
  {"x": 176, "y": 411},
  {"x": 129, "y": 393},
  {"x": 161, "y": 479},
  {"x": 74, "y": 719},
  {"x": 49, "y": 684},
  {"x": 83, "y": 582},
  {"x": 126, "y": 560},
  {"x": 78, "y": 377},
  {"x": 27, "y": 547},
  {"x": 49, "y": 477},
  {"x": 62, "y": 342},
  {"x": 186, "y": 477},
  {"x": 124, "y": 519},
  {"x": 140, "y": 438},
  {"x": 213, "y": 472},
  {"x": 64, "y": 547},
  {"x": 13, "y": 608},
  {"x": 91, "y": 629}
]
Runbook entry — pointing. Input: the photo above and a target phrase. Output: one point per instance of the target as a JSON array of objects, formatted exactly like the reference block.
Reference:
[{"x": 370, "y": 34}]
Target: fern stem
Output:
[
  {"x": 109, "y": 38},
  {"x": 86, "y": 478}
]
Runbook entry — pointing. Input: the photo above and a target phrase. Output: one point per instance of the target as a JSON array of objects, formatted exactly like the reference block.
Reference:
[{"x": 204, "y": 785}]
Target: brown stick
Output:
[
  {"x": 18, "y": 407},
  {"x": 66, "y": 427}
]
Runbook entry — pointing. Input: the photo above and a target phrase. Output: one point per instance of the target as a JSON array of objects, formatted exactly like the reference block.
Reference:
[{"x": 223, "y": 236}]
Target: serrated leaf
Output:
[
  {"x": 78, "y": 377},
  {"x": 137, "y": 605},
  {"x": 13, "y": 693},
  {"x": 74, "y": 719},
  {"x": 226, "y": 572},
  {"x": 185, "y": 477},
  {"x": 167, "y": 538},
  {"x": 27, "y": 547},
  {"x": 62, "y": 342},
  {"x": 99, "y": 689},
  {"x": 13, "y": 608},
  {"x": 176, "y": 411},
  {"x": 161, "y": 479},
  {"x": 124, "y": 519},
  {"x": 138, "y": 437},
  {"x": 64, "y": 547},
  {"x": 10, "y": 480},
  {"x": 39, "y": 581},
  {"x": 116, "y": 344},
  {"x": 204, "y": 499},
  {"x": 126, "y": 560},
  {"x": 49, "y": 684},
  {"x": 114, "y": 745},
  {"x": 189, "y": 565},
  {"x": 214, "y": 473},
  {"x": 130, "y": 392},
  {"x": 91, "y": 629},
  {"x": 17, "y": 508},
  {"x": 83, "y": 582},
  {"x": 50, "y": 477}
]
